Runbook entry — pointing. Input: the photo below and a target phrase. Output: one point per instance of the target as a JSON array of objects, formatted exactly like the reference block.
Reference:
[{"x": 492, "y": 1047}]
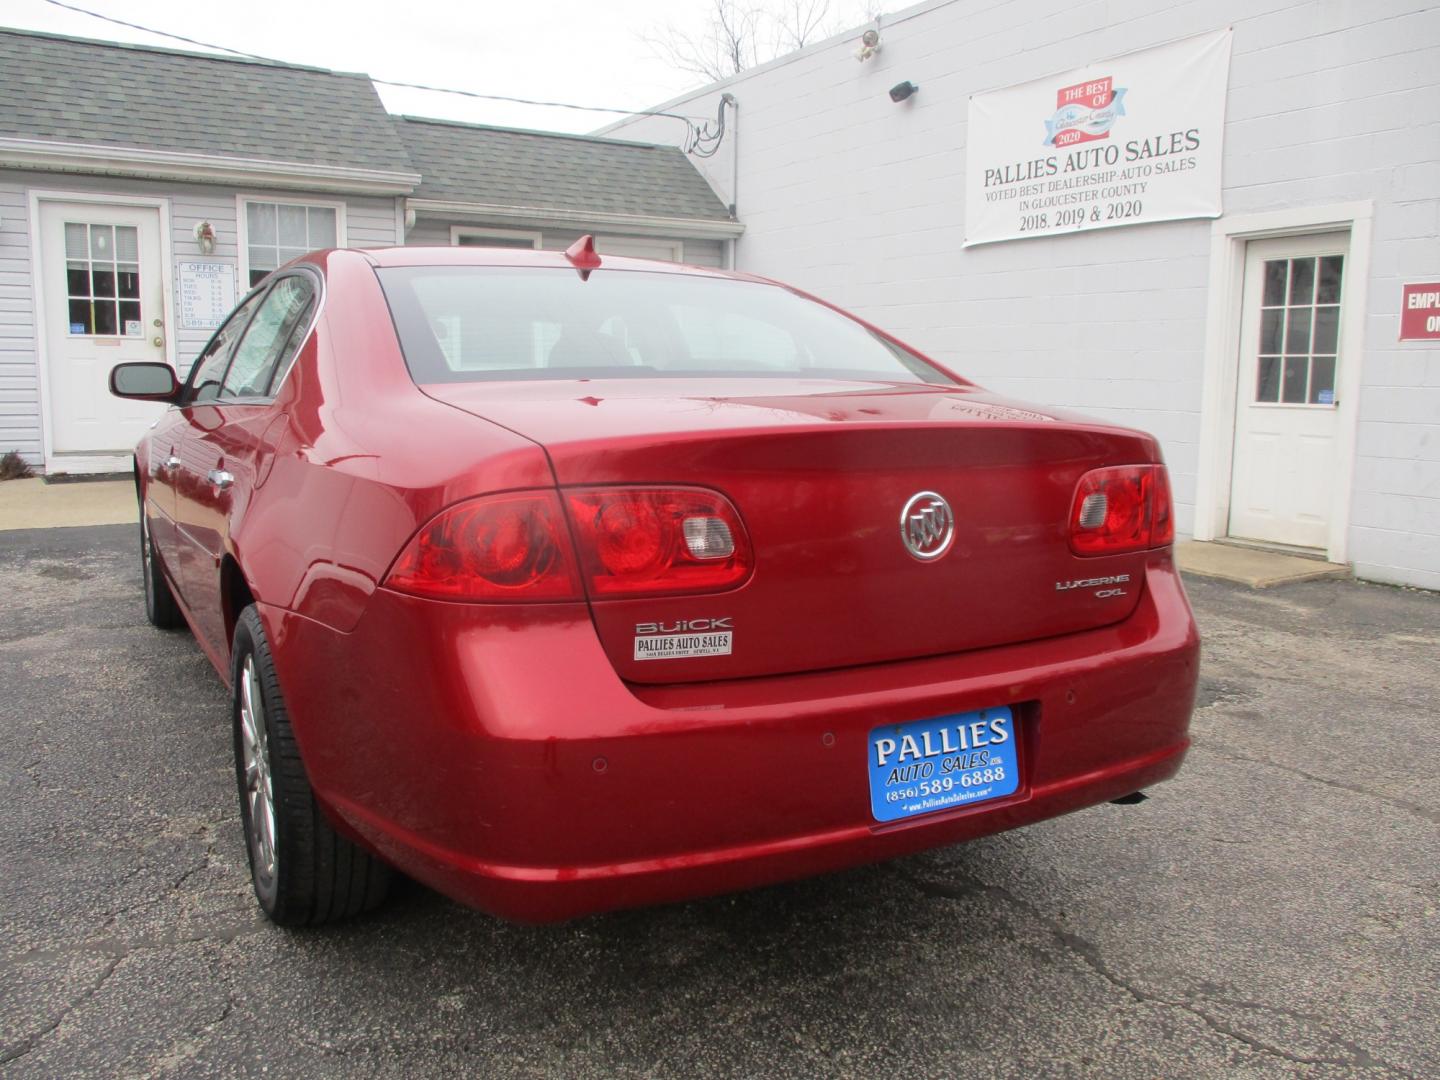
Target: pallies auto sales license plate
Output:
[{"x": 929, "y": 765}]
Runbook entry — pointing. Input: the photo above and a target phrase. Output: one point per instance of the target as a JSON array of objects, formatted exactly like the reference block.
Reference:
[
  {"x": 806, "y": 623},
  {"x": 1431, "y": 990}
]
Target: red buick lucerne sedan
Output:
[{"x": 562, "y": 584}]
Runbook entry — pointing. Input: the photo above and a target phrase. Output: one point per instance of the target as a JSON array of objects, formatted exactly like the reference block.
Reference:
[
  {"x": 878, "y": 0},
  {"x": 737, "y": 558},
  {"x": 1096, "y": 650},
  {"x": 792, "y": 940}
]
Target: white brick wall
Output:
[{"x": 862, "y": 201}]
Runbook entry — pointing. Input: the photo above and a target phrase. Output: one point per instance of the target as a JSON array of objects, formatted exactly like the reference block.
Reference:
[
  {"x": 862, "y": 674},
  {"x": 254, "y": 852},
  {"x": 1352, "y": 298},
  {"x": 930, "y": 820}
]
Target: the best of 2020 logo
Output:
[{"x": 1084, "y": 112}]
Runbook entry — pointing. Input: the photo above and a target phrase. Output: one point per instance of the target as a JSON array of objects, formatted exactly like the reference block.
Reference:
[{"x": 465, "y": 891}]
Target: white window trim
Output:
[
  {"x": 242, "y": 225},
  {"x": 89, "y": 463},
  {"x": 474, "y": 232},
  {"x": 1228, "y": 237},
  {"x": 677, "y": 247}
]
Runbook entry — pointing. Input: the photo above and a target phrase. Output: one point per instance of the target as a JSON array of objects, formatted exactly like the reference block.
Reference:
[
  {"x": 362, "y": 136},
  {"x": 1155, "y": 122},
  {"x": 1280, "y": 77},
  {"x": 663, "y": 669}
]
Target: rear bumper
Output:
[{"x": 496, "y": 756}]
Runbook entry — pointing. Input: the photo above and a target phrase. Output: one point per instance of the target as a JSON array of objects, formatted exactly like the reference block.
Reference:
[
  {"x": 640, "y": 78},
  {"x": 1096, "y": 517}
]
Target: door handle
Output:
[{"x": 220, "y": 478}]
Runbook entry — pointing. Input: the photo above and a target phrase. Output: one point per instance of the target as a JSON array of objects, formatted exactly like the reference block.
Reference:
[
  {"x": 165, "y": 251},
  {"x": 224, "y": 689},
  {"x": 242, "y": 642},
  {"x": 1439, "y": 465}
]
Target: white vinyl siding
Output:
[
  {"x": 479, "y": 236},
  {"x": 641, "y": 247},
  {"x": 438, "y": 232},
  {"x": 709, "y": 253},
  {"x": 19, "y": 376},
  {"x": 370, "y": 222}
]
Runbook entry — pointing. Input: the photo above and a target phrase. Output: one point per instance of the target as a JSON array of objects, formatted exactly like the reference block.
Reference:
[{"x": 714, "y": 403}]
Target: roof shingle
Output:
[
  {"x": 105, "y": 93},
  {"x": 543, "y": 170}
]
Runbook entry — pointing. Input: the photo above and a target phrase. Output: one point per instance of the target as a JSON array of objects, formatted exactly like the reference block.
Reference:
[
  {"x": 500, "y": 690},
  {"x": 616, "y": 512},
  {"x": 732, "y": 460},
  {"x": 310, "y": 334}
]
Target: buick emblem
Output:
[{"x": 927, "y": 526}]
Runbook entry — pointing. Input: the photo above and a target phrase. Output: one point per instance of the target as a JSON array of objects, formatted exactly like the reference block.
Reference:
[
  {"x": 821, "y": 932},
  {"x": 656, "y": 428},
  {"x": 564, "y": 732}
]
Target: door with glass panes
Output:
[
  {"x": 1286, "y": 400},
  {"x": 103, "y": 297}
]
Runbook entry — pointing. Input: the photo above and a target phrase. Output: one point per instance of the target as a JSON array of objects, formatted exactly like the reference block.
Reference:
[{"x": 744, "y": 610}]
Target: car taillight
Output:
[
  {"x": 505, "y": 548},
  {"x": 650, "y": 541},
  {"x": 1122, "y": 508},
  {"x": 1162, "y": 522}
]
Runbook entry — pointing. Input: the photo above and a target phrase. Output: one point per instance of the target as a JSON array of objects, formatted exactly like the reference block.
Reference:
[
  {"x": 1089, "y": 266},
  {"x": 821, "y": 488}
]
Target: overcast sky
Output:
[{"x": 578, "y": 51}]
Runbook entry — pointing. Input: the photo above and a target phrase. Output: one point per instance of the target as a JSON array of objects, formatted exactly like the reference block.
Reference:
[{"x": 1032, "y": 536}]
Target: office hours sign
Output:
[{"x": 1120, "y": 142}]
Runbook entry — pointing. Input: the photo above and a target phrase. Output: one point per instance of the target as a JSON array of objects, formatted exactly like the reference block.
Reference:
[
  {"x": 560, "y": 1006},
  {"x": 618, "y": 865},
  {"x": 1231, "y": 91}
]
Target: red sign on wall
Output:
[
  {"x": 1095, "y": 94},
  {"x": 1420, "y": 312}
]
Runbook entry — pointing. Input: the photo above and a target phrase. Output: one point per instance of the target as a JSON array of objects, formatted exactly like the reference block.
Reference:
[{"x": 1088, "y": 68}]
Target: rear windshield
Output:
[{"x": 473, "y": 323}]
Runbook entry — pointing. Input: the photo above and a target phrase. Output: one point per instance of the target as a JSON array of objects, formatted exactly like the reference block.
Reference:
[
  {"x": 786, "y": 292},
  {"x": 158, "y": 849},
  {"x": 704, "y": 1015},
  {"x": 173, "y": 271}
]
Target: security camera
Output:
[{"x": 902, "y": 91}]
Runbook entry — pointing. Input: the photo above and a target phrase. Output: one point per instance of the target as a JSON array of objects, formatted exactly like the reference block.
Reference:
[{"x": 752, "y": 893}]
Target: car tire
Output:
[
  {"x": 160, "y": 606},
  {"x": 303, "y": 871}
]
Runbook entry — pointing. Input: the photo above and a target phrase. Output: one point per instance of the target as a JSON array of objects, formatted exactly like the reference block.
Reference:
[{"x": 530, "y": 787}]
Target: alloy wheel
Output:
[
  {"x": 259, "y": 781},
  {"x": 147, "y": 560}
]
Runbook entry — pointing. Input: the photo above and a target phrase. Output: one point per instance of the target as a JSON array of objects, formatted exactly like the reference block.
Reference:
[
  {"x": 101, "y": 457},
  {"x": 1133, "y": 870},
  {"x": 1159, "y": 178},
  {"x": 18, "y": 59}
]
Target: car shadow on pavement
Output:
[{"x": 867, "y": 950}]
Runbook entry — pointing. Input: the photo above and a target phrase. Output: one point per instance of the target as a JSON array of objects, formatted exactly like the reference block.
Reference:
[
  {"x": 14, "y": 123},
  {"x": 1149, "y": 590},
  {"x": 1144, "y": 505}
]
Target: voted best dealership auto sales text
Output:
[{"x": 1124, "y": 177}]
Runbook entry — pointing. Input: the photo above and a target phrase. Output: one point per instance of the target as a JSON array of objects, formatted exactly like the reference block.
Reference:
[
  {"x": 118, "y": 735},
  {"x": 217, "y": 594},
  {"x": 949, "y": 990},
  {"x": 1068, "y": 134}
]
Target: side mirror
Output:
[{"x": 147, "y": 380}]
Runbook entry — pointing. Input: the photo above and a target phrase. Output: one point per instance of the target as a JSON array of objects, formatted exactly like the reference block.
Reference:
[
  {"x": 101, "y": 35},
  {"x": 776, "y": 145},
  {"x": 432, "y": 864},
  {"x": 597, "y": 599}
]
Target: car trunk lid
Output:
[{"x": 820, "y": 472}]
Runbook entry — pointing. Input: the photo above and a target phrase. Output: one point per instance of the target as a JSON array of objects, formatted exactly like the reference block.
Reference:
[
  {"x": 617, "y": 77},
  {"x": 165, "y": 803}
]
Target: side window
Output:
[
  {"x": 268, "y": 339},
  {"x": 210, "y": 368}
]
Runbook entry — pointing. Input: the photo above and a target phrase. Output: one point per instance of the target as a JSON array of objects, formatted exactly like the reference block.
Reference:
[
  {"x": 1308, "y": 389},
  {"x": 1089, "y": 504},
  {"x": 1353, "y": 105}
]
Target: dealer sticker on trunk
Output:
[
  {"x": 680, "y": 646},
  {"x": 930, "y": 765}
]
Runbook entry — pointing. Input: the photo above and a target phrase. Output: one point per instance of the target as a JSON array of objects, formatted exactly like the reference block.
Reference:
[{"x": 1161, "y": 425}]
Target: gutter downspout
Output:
[{"x": 734, "y": 175}]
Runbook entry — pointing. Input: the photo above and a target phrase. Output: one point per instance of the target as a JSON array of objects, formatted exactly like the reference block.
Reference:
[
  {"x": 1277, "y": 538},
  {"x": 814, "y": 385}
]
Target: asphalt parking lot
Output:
[{"x": 1274, "y": 911}]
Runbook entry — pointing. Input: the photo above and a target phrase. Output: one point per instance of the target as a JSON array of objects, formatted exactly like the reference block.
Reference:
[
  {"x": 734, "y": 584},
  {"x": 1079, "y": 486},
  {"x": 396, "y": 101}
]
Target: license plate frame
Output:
[{"x": 942, "y": 763}]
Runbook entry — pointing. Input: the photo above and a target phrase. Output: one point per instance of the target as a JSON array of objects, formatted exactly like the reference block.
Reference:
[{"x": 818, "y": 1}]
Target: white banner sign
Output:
[{"x": 1121, "y": 142}]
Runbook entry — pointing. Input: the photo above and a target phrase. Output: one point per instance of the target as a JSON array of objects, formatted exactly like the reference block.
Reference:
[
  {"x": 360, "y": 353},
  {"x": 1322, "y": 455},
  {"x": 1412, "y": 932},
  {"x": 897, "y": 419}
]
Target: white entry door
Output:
[
  {"x": 102, "y": 293},
  {"x": 1285, "y": 405}
]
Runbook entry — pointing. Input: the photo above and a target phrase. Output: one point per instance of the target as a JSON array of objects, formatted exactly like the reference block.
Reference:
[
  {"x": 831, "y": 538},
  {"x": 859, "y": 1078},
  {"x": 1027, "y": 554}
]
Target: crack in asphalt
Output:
[
  {"x": 1089, "y": 955},
  {"x": 118, "y": 951},
  {"x": 181, "y": 1053},
  {"x": 188, "y": 874},
  {"x": 27, "y": 1045},
  {"x": 207, "y": 859},
  {"x": 1282, "y": 677},
  {"x": 32, "y": 773},
  {"x": 27, "y": 634},
  {"x": 111, "y": 914},
  {"x": 1424, "y": 813},
  {"x": 121, "y": 948}
]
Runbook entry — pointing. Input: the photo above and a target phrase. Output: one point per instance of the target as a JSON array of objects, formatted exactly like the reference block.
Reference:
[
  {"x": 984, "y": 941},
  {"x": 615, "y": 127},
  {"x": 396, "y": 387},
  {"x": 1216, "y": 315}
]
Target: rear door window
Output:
[
  {"x": 270, "y": 338},
  {"x": 209, "y": 370}
]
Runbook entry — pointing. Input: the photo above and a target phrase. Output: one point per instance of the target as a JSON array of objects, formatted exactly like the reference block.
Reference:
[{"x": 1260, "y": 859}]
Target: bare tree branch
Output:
[
  {"x": 738, "y": 34},
  {"x": 800, "y": 22},
  {"x": 726, "y": 46}
]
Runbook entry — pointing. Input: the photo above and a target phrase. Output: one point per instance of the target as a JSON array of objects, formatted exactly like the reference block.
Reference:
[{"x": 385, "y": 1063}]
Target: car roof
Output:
[{"x": 482, "y": 256}]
